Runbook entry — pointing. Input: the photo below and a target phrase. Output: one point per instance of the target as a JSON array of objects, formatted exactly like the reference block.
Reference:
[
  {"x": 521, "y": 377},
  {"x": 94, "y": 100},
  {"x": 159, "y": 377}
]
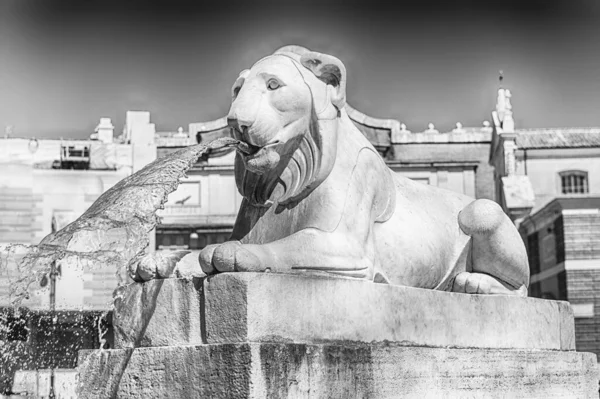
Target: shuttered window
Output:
[{"x": 574, "y": 182}]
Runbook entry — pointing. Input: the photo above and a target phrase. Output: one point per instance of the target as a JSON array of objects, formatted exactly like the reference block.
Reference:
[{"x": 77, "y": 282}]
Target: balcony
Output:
[
  {"x": 181, "y": 210},
  {"x": 193, "y": 215}
]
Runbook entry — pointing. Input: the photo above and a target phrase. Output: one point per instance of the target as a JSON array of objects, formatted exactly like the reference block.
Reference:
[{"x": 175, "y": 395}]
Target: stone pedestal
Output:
[{"x": 246, "y": 335}]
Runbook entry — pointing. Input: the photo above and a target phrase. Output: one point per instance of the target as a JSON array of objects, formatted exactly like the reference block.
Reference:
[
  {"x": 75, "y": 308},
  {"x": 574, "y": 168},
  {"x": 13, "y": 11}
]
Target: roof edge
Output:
[
  {"x": 559, "y": 129},
  {"x": 364, "y": 119},
  {"x": 209, "y": 126},
  {"x": 558, "y": 203}
]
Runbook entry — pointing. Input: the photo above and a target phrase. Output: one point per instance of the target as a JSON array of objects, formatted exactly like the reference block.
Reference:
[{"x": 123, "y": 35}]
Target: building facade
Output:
[
  {"x": 548, "y": 181},
  {"x": 47, "y": 184},
  {"x": 563, "y": 243}
]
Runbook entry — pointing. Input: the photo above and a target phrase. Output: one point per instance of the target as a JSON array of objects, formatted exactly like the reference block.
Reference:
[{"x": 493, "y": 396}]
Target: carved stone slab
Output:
[
  {"x": 287, "y": 370},
  {"x": 158, "y": 313},
  {"x": 265, "y": 307}
]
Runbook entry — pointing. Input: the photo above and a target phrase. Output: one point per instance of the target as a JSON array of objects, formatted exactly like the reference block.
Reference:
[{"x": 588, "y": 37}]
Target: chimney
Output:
[{"x": 105, "y": 130}]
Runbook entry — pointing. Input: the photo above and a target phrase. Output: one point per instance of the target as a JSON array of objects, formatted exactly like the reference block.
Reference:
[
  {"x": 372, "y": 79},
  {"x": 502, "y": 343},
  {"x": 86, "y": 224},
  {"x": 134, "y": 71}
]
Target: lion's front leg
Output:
[{"x": 305, "y": 251}]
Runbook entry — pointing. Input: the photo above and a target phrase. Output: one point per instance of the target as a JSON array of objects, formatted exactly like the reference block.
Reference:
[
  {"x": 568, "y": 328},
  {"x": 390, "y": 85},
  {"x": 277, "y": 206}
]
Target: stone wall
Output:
[
  {"x": 269, "y": 335},
  {"x": 582, "y": 236},
  {"x": 582, "y": 243},
  {"x": 583, "y": 288},
  {"x": 564, "y": 257}
]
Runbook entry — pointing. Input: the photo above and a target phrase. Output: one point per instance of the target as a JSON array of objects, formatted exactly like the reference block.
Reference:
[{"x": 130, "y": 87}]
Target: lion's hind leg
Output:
[{"x": 499, "y": 262}]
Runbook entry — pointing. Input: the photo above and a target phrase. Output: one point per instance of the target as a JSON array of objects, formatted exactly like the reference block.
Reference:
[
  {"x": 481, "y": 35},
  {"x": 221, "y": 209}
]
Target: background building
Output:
[
  {"x": 44, "y": 186},
  {"x": 47, "y": 184},
  {"x": 548, "y": 181},
  {"x": 563, "y": 241}
]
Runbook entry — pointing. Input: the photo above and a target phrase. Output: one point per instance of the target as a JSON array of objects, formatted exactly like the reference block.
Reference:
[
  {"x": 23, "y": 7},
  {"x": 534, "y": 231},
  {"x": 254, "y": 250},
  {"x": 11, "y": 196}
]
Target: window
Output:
[
  {"x": 533, "y": 253},
  {"x": 424, "y": 180},
  {"x": 559, "y": 232},
  {"x": 574, "y": 182},
  {"x": 189, "y": 238},
  {"x": 166, "y": 239},
  {"x": 535, "y": 290},
  {"x": 77, "y": 152}
]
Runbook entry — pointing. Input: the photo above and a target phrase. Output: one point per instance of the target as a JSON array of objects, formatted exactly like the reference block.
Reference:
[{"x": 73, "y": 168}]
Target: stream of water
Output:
[{"x": 113, "y": 232}]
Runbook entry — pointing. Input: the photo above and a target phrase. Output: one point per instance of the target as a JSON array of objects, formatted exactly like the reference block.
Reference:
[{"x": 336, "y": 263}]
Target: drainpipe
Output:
[{"x": 53, "y": 273}]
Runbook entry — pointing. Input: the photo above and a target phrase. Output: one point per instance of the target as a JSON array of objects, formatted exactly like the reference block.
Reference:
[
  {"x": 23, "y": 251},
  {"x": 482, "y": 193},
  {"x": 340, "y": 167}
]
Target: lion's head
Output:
[{"x": 286, "y": 107}]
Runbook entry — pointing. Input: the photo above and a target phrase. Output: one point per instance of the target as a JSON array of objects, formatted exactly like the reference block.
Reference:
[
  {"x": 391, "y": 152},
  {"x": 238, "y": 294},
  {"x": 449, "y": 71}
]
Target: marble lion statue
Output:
[{"x": 318, "y": 198}]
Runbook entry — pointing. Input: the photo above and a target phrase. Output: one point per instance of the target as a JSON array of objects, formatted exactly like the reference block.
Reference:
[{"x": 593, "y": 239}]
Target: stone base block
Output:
[
  {"x": 286, "y": 370},
  {"x": 158, "y": 313},
  {"x": 266, "y": 307}
]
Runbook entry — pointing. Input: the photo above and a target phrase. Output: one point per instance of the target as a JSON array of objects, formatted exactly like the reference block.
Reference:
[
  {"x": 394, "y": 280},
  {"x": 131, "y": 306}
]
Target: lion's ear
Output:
[
  {"x": 239, "y": 82},
  {"x": 331, "y": 71}
]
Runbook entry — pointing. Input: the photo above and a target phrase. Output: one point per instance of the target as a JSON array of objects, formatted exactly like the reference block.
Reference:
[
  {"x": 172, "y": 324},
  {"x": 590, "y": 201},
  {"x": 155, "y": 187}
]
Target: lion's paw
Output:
[
  {"x": 228, "y": 257},
  {"x": 155, "y": 266}
]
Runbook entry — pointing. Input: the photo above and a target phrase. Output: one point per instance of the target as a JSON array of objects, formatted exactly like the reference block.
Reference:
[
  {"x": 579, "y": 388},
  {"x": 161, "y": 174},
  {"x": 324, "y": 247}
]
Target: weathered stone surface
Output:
[
  {"x": 300, "y": 309},
  {"x": 566, "y": 320},
  {"x": 280, "y": 370},
  {"x": 160, "y": 313},
  {"x": 258, "y": 307}
]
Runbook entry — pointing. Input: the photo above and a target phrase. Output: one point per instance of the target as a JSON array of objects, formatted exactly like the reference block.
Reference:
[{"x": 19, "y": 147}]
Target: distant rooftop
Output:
[
  {"x": 558, "y": 138},
  {"x": 585, "y": 201},
  {"x": 578, "y": 202},
  {"x": 465, "y": 135},
  {"x": 180, "y": 133}
]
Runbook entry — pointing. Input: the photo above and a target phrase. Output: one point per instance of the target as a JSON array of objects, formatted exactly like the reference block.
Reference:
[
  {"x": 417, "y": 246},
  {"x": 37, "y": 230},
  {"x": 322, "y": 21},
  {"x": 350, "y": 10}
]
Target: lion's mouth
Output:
[{"x": 249, "y": 150}]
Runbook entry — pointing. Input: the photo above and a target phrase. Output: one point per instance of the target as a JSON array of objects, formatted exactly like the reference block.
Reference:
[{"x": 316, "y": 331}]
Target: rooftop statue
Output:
[{"x": 318, "y": 198}]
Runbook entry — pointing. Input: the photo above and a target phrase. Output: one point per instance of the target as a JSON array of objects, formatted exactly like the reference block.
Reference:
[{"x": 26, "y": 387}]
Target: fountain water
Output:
[{"x": 112, "y": 233}]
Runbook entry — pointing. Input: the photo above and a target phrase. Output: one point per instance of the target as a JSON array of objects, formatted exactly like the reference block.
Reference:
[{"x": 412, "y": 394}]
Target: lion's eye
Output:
[{"x": 273, "y": 84}]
